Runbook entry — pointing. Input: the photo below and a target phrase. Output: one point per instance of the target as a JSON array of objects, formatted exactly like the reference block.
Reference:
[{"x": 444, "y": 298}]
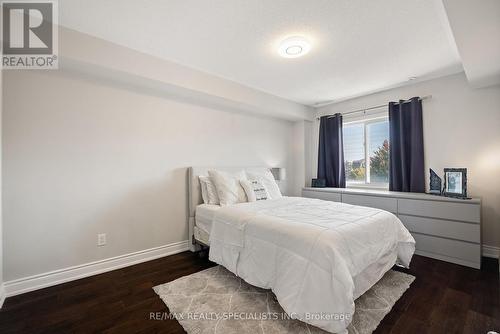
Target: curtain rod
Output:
[{"x": 375, "y": 107}]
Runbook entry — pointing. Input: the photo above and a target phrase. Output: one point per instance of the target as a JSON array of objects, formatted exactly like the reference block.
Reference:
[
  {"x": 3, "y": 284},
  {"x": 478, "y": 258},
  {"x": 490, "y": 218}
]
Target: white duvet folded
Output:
[{"x": 309, "y": 252}]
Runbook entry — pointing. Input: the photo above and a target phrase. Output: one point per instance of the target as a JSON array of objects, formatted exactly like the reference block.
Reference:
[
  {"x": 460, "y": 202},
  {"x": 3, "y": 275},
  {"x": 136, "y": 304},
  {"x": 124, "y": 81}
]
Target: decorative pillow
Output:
[
  {"x": 203, "y": 187},
  {"x": 228, "y": 186},
  {"x": 255, "y": 190},
  {"x": 208, "y": 191},
  {"x": 267, "y": 179}
]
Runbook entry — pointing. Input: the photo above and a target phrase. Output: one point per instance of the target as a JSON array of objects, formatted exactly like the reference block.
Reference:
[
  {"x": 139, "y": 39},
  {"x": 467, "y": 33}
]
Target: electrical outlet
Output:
[{"x": 101, "y": 239}]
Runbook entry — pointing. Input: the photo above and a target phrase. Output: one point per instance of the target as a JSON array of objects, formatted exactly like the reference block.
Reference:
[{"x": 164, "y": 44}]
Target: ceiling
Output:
[
  {"x": 358, "y": 46},
  {"x": 480, "y": 56}
]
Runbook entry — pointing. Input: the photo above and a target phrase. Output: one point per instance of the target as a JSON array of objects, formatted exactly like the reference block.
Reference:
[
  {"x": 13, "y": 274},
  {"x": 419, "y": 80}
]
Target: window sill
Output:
[{"x": 366, "y": 186}]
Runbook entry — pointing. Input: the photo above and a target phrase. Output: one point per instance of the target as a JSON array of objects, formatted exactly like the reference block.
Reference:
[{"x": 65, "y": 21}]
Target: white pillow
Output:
[
  {"x": 203, "y": 187},
  {"x": 208, "y": 190},
  {"x": 228, "y": 186},
  {"x": 267, "y": 179},
  {"x": 255, "y": 190}
]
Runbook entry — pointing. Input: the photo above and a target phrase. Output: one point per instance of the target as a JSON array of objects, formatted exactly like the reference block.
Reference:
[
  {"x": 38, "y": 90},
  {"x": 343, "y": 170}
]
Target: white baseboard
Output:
[
  {"x": 26, "y": 284},
  {"x": 2, "y": 295},
  {"x": 491, "y": 251}
]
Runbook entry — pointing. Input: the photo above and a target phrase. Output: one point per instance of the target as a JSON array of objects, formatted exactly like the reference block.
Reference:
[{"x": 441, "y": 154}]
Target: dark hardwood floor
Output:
[{"x": 444, "y": 298}]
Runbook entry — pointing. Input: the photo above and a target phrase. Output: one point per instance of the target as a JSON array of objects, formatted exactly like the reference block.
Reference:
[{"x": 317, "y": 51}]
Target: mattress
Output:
[{"x": 204, "y": 216}]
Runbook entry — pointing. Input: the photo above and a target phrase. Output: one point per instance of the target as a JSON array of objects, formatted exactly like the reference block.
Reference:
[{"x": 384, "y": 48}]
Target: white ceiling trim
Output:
[
  {"x": 476, "y": 30},
  {"x": 99, "y": 58}
]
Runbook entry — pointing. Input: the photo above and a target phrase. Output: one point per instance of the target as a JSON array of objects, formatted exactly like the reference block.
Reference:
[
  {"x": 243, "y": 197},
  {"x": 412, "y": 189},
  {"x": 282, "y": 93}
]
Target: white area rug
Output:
[{"x": 216, "y": 301}]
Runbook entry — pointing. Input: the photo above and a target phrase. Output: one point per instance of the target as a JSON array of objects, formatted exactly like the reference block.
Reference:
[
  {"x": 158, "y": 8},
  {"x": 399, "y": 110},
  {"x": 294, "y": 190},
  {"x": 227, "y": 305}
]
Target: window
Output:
[{"x": 366, "y": 153}]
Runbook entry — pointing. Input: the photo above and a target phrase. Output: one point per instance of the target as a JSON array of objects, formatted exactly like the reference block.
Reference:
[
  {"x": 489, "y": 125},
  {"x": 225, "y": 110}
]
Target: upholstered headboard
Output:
[{"x": 194, "y": 191}]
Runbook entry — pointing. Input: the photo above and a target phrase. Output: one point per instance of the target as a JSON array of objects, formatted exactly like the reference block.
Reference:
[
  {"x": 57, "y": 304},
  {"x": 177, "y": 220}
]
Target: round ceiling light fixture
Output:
[{"x": 294, "y": 47}]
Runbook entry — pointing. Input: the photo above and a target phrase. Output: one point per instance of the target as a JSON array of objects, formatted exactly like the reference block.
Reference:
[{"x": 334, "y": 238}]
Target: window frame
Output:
[{"x": 366, "y": 184}]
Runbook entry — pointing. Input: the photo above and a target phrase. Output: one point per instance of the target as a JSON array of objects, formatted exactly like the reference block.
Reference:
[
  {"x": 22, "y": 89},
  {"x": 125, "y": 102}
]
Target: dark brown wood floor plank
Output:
[
  {"x": 451, "y": 311},
  {"x": 444, "y": 298},
  {"x": 480, "y": 323}
]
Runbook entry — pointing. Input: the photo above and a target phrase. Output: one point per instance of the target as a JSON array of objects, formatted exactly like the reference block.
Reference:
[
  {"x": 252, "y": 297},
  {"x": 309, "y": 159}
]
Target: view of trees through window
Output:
[{"x": 366, "y": 152}]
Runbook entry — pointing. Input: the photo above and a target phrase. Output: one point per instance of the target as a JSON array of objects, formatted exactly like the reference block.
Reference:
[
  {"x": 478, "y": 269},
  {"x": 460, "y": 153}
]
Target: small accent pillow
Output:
[
  {"x": 203, "y": 188},
  {"x": 267, "y": 179},
  {"x": 208, "y": 191},
  {"x": 228, "y": 186},
  {"x": 255, "y": 190}
]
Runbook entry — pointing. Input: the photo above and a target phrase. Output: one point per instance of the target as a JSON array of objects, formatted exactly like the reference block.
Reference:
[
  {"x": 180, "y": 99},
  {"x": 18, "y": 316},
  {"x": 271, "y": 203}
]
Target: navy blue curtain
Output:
[
  {"x": 331, "y": 151},
  {"x": 406, "y": 155}
]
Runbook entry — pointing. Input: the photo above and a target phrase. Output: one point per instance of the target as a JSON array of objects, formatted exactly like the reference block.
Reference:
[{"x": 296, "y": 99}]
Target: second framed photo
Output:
[{"x": 455, "y": 182}]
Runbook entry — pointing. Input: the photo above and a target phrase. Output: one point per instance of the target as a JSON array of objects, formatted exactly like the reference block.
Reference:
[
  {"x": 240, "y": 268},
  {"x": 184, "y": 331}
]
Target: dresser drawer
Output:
[
  {"x": 324, "y": 195},
  {"x": 440, "y": 209},
  {"x": 443, "y": 228},
  {"x": 384, "y": 203},
  {"x": 449, "y": 250}
]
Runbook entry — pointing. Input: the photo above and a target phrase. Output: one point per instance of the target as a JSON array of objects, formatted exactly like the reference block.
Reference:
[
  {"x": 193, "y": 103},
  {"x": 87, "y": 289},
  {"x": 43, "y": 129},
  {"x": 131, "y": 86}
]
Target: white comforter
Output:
[{"x": 310, "y": 253}]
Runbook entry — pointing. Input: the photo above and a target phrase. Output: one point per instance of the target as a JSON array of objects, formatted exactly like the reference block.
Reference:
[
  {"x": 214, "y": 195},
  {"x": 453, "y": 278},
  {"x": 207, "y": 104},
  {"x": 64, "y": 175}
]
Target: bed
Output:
[
  {"x": 199, "y": 229},
  {"x": 317, "y": 256}
]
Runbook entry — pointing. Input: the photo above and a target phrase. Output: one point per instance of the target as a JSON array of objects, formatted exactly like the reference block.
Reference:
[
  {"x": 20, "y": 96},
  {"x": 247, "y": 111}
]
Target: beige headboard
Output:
[{"x": 194, "y": 191}]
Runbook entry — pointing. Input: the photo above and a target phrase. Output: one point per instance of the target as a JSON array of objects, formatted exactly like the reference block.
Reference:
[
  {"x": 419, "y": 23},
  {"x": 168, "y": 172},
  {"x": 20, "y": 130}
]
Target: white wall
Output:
[
  {"x": 302, "y": 141},
  {"x": 1, "y": 191},
  {"x": 461, "y": 129},
  {"x": 82, "y": 157}
]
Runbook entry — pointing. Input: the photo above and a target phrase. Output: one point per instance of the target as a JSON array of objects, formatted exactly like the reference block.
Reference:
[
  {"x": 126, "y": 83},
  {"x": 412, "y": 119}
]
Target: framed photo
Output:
[
  {"x": 435, "y": 184},
  {"x": 318, "y": 183},
  {"x": 455, "y": 182}
]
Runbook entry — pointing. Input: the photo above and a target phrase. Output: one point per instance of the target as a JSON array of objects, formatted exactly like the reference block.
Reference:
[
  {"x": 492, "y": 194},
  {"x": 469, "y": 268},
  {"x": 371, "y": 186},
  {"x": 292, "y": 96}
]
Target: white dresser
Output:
[{"x": 444, "y": 228}]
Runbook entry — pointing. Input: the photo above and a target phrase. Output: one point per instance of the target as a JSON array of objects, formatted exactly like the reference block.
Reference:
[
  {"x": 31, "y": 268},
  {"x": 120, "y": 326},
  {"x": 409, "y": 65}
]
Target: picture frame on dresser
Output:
[
  {"x": 455, "y": 182},
  {"x": 318, "y": 183},
  {"x": 435, "y": 183}
]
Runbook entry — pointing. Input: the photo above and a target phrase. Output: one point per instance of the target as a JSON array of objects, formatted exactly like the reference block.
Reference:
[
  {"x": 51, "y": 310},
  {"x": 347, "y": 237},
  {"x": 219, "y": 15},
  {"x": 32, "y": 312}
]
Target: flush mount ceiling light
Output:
[{"x": 294, "y": 47}]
